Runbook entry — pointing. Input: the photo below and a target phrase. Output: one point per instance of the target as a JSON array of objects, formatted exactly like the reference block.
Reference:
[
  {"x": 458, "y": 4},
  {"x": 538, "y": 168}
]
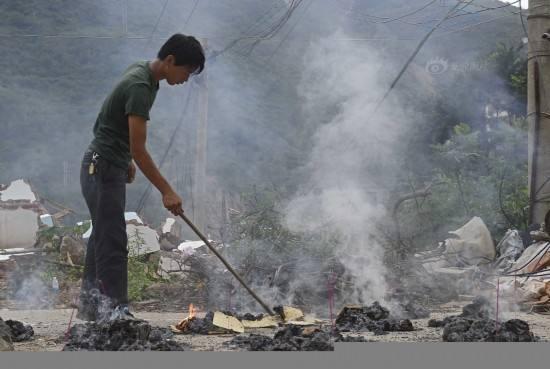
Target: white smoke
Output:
[{"x": 354, "y": 160}]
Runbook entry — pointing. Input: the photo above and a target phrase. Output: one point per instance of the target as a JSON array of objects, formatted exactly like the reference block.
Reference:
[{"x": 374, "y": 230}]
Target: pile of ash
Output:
[
  {"x": 246, "y": 316},
  {"x": 18, "y": 331},
  {"x": 121, "y": 335},
  {"x": 293, "y": 338},
  {"x": 374, "y": 318},
  {"x": 475, "y": 325}
]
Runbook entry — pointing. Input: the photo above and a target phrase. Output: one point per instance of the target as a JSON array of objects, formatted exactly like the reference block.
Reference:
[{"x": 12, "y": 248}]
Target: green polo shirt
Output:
[{"x": 134, "y": 94}]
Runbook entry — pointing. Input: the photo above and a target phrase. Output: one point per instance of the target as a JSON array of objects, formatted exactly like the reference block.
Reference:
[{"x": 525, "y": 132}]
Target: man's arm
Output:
[{"x": 138, "y": 135}]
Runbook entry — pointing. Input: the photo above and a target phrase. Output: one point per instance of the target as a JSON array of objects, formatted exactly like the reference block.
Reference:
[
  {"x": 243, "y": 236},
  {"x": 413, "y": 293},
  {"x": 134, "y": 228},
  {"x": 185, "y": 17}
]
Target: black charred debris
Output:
[
  {"x": 121, "y": 335},
  {"x": 476, "y": 325},
  {"x": 293, "y": 338},
  {"x": 374, "y": 318},
  {"x": 19, "y": 331}
]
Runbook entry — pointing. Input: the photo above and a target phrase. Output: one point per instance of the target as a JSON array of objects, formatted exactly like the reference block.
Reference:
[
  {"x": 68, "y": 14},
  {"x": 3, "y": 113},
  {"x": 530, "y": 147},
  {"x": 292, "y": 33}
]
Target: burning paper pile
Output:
[{"x": 229, "y": 322}]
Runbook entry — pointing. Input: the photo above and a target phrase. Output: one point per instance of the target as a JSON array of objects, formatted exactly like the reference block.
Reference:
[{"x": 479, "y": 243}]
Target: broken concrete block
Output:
[
  {"x": 172, "y": 230},
  {"x": 142, "y": 240},
  {"x": 473, "y": 243},
  {"x": 46, "y": 220},
  {"x": 529, "y": 263},
  {"x": 166, "y": 245},
  {"x": 20, "y": 213},
  {"x": 18, "y": 190},
  {"x": 132, "y": 217},
  {"x": 190, "y": 247}
]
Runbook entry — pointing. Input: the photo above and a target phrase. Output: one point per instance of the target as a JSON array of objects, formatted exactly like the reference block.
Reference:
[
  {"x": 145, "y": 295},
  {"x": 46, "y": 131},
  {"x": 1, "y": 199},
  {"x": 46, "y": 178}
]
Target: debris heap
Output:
[
  {"x": 374, "y": 318},
  {"x": 121, "y": 335},
  {"x": 475, "y": 324},
  {"x": 293, "y": 338}
]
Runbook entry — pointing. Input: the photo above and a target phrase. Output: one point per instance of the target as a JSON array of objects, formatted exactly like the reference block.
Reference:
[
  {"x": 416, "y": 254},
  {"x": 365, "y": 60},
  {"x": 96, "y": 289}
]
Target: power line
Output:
[
  {"x": 387, "y": 20},
  {"x": 413, "y": 55},
  {"x": 274, "y": 29},
  {"x": 409, "y": 14},
  {"x": 266, "y": 35},
  {"x": 158, "y": 19},
  {"x": 190, "y": 14},
  {"x": 290, "y": 31}
]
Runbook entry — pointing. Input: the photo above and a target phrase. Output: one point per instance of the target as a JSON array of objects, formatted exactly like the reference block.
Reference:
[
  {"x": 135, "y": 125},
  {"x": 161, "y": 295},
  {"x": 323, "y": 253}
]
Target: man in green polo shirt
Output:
[{"x": 120, "y": 133}]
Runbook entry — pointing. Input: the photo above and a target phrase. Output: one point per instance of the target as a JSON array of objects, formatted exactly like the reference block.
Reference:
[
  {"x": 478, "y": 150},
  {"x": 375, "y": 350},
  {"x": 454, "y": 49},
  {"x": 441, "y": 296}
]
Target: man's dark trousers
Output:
[{"x": 106, "y": 265}]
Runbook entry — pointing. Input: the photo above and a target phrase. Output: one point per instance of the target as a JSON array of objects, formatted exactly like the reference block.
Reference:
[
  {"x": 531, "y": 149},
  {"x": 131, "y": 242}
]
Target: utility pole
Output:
[
  {"x": 538, "y": 111},
  {"x": 199, "y": 182}
]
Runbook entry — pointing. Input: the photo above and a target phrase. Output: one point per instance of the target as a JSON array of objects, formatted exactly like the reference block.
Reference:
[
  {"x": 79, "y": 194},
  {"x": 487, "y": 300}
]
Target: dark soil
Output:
[
  {"x": 374, "y": 318},
  {"x": 475, "y": 324},
  {"x": 121, "y": 335}
]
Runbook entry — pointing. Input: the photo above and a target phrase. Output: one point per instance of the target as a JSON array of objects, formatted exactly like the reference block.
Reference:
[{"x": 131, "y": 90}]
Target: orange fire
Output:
[{"x": 182, "y": 326}]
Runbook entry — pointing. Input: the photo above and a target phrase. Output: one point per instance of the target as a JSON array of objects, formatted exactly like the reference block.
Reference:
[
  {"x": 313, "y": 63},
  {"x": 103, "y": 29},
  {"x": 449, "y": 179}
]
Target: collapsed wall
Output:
[{"x": 20, "y": 211}]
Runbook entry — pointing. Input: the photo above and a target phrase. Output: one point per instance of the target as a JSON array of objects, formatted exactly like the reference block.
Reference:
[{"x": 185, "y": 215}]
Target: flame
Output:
[{"x": 182, "y": 326}]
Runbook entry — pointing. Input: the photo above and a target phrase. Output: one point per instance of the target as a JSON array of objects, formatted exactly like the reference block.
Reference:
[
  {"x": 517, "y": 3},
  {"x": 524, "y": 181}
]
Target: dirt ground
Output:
[{"x": 50, "y": 327}]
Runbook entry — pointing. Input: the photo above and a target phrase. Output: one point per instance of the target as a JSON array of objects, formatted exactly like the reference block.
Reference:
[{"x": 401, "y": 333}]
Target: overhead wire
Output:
[
  {"x": 306, "y": 8},
  {"x": 265, "y": 35},
  {"x": 190, "y": 15},
  {"x": 413, "y": 55}
]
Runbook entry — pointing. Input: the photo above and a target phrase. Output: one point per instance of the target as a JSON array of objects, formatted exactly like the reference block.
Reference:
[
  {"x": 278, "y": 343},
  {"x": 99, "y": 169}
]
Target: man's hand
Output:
[
  {"x": 173, "y": 202},
  {"x": 131, "y": 172}
]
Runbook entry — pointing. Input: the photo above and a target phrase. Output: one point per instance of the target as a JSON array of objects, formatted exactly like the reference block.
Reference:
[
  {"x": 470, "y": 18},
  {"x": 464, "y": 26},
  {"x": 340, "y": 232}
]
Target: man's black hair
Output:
[{"x": 186, "y": 49}]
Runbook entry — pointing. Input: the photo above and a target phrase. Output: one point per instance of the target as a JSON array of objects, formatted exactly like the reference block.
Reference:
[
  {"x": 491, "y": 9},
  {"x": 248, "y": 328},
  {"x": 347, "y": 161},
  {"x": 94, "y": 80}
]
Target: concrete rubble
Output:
[
  {"x": 471, "y": 262},
  {"x": 20, "y": 215},
  {"x": 142, "y": 239}
]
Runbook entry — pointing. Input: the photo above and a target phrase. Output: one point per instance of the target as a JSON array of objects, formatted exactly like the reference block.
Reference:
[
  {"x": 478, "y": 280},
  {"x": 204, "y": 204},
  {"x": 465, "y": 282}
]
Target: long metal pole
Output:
[{"x": 202, "y": 237}]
